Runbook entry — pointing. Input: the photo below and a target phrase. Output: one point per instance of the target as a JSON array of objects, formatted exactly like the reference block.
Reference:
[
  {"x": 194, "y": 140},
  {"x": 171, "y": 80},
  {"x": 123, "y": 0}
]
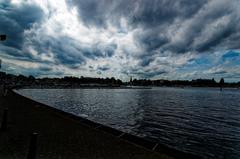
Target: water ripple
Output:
[{"x": 202, "y": 121}]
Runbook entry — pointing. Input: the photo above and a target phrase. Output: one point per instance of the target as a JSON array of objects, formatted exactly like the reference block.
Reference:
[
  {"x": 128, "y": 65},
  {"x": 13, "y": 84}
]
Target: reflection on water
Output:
[{"x": 203, "y": 121}]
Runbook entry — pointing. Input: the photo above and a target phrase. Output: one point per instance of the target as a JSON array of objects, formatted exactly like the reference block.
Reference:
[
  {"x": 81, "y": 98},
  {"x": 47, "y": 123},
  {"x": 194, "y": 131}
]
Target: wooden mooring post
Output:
[{"x": 32, "y": 146}]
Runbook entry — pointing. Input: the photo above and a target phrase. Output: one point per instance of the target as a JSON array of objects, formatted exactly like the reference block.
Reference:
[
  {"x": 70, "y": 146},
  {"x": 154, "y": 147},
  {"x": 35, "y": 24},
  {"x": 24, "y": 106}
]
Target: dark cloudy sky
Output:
[{"x": 169, "y": 39}]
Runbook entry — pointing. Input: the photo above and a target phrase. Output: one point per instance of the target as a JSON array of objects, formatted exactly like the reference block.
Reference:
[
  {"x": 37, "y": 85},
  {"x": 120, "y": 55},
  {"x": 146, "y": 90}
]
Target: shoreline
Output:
[
  {"x": 140, "y": 145},
  {"x": 130, "y": 87}
]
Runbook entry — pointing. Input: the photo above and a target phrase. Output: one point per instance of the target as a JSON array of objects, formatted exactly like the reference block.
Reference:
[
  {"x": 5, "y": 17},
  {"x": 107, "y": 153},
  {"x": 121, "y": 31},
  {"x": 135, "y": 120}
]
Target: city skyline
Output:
[{"x": 174, "y": 40}]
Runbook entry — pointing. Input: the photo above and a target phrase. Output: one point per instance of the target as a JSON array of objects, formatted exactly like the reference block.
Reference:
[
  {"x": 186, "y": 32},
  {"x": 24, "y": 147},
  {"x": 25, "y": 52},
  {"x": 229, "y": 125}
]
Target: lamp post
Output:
[{"x": 2, "y": 38}]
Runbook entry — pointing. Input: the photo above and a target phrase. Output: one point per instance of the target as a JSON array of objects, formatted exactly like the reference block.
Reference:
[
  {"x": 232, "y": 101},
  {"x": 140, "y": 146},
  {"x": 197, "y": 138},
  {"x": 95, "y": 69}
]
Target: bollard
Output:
[
  {"x": 32, "y": 146},
  {"x": 4, "y": 120}
]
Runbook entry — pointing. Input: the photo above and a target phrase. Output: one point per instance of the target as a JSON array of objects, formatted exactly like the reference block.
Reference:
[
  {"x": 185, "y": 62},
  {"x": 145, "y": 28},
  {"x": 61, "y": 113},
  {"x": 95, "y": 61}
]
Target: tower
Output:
[{"x": 130, "y": 82}]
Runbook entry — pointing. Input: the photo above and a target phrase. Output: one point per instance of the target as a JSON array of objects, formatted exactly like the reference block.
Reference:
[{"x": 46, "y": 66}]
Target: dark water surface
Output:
[{"x": 203, "y": 121}]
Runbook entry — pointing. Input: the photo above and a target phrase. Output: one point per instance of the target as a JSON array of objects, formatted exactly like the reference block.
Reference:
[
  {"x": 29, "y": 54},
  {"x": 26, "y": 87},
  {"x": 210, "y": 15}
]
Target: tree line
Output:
[{"x": 71, "y": 81}]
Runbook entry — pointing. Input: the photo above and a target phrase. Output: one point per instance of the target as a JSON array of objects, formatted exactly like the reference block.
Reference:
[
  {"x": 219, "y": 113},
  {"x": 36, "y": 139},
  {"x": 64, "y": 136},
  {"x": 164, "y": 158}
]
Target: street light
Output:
[{"x": 2, "y": 38}]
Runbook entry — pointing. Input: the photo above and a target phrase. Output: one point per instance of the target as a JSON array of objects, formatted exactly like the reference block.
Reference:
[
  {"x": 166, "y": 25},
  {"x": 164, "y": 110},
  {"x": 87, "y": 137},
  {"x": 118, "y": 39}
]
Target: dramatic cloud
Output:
[{"x": 145, "y": 39}]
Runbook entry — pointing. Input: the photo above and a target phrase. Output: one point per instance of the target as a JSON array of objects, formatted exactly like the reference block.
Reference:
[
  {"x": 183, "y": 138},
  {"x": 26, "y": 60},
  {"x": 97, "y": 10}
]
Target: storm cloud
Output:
[{"x": 145, "y": 39}]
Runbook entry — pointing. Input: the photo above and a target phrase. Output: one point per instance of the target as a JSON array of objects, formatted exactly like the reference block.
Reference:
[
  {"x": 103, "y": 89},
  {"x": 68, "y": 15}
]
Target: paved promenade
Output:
[{"x": 59, "y": 136}]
